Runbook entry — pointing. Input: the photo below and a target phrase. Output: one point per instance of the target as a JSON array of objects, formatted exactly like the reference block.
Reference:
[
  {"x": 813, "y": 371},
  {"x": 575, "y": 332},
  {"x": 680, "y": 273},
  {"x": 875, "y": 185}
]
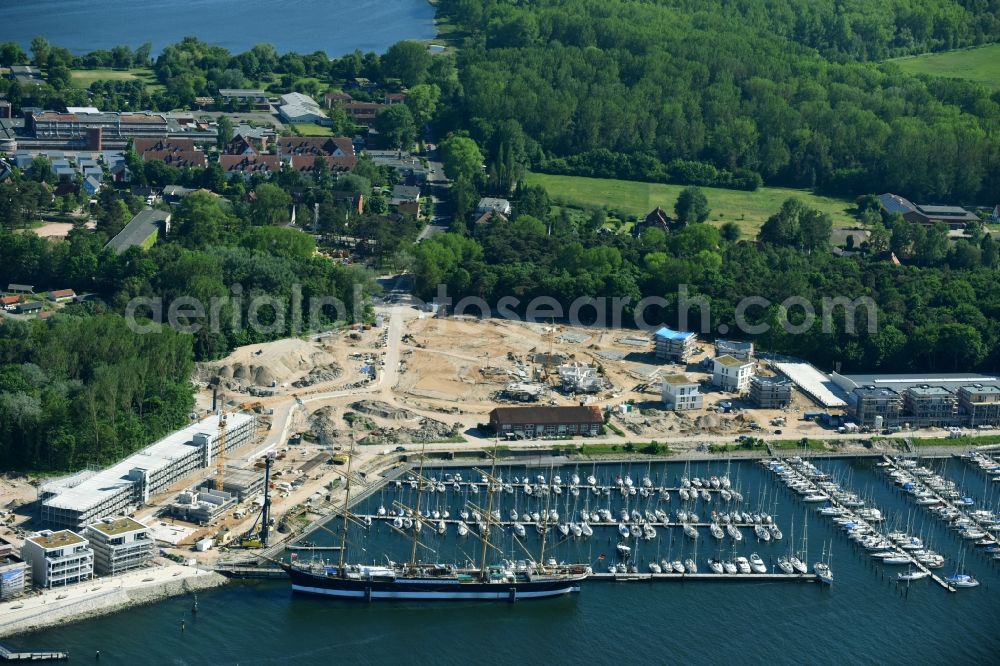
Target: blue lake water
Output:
[
  {"x": 865, "y": 618},
  {"x": 303, "y": 26}
]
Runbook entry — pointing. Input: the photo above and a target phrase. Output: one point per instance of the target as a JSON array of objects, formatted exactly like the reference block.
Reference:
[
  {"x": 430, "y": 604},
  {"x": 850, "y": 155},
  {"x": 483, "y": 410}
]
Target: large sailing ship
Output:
[{"x": 504, "y": 581}]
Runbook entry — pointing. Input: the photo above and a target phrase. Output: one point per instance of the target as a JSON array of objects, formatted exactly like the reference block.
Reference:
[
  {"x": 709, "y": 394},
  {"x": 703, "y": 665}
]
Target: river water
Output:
[
  {"x": 303, "y": 26},
  {"x": 864, "y": 618}
]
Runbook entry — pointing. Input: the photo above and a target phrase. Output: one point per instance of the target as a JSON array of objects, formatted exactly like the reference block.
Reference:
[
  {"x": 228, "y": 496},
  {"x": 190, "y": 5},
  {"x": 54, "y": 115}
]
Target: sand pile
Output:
[{"x": 274, "y": 364}]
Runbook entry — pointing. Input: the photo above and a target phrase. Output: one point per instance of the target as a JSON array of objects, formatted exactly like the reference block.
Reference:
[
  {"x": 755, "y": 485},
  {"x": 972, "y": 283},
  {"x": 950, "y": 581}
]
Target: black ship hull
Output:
[{"x": 431, "y": 589}]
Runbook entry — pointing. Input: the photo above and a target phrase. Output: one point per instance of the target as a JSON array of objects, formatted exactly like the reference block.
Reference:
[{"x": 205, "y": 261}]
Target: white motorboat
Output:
[
  {"x": 762, "y": 533},
  {"x": 757, "y": 564},
  {"x": 734, "y": 532},
  {"x": 823, "y": 572},
  {"x": 715, "y": 566},
  {"x": 623, "y": 550},
  {"x": 729, "y": 567},
  {"x": 775, "y": 532},
  {"x": 743, "y": 565}
]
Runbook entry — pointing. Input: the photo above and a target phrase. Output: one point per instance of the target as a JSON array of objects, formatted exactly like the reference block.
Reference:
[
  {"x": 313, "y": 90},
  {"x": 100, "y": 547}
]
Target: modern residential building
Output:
[
  {"x": 871, "y": 405},
  {"x": 927, "y": 405},
  {"x": 84, "y": 498},
  {"x": 735, "y": 348},
  {"x": 676, "y": 346},
  {"x": 119, "y": 545},
  {"x": 980, "y": 404},
  {"x": 770, "y": 392},
  {"x": 142, "y": 231},
  {"x": 681, "y": 393},
  {"x": 546, "y": 421},
  {"x": 15, "y": 575},
  {"x": 732, "y": 374},
  {"x": 58, "y": 558}
]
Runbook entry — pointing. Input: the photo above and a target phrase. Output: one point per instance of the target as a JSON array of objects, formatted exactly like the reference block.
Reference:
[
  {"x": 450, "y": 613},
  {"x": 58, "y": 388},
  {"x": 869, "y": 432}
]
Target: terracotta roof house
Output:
[
  {"x": 338, "y": 150},
  {"x": 332, "y": 99},
  {"x": 247, "y": 165},
  {"x": 362, "y": 113},
  {"x": 179, "y": 153}
]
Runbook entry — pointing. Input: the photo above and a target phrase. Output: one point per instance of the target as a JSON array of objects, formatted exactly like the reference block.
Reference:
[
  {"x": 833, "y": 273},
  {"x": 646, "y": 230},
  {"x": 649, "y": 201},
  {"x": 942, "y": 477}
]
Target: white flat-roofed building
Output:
[
  {"x": 681, "y": 393},
  {"x": 119, "y": 544},
  {"x": 731, "y": 373},
  {"x": 58, "y": 558},
  {"x": 84, "y": 498}
]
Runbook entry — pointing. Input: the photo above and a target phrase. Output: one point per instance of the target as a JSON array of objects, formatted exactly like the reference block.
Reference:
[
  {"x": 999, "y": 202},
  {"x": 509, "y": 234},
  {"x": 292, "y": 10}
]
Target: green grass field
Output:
[
  {"x": 980, "y": 64},
  {"x": 311, "y": 129},
  {"x": 628, "y": 197},
  {"x": 82, "y": 78}
]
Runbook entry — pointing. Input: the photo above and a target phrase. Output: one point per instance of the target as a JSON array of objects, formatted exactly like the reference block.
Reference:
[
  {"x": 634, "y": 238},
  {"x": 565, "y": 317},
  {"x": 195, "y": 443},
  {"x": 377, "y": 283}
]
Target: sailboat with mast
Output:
[{"x": 416, "y": 581}]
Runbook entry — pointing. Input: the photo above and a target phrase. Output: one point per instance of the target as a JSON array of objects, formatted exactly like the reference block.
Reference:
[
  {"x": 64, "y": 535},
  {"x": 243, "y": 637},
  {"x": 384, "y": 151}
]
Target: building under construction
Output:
[
  {"x": 203, "y": 507},
  {"x": 579, "y": 378},
  {"x": 523, "y": 391},
  {"x": 676, "y": 346},
  {"x": 239, "y": 482},
  {"x": 76, "y": 501},
  {"x": 770, "y": 392}
]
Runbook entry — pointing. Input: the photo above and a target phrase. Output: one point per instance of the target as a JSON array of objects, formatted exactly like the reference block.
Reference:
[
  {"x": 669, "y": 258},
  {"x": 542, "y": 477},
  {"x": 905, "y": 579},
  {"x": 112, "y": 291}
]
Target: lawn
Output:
[
  {"x": 983, "y": 440},
  {"x": 311, "y": 129},
  {"x": 980, "y": 64},
  {"x": 82, "y": 78},
  {"x": 628, "y": 197}
]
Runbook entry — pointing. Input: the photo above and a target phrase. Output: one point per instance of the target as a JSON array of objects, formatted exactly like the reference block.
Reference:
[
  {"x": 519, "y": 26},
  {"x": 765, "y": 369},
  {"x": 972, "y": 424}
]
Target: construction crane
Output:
[
  {"x": 258, "y": 538},
  {"x": 220, "y": 474}
]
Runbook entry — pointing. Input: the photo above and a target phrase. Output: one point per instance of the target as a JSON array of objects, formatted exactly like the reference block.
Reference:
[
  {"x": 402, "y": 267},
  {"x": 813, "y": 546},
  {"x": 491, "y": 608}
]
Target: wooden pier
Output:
[{"x": 13, "y": 654}]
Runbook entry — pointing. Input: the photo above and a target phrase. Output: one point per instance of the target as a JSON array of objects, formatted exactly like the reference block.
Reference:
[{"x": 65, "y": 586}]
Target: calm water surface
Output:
[
  {"x": 864, "y": 619},
  {"x": 303, "y": 26}
]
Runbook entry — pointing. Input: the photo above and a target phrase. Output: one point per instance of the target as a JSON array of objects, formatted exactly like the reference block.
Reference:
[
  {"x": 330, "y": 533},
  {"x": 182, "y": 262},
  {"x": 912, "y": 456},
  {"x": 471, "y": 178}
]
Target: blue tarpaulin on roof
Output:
[{"x": 672, "y": 334}]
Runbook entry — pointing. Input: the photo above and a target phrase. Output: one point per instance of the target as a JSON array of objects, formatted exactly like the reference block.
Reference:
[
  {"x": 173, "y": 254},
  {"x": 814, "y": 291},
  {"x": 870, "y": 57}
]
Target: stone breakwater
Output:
[{"x": 102, "y": 596}]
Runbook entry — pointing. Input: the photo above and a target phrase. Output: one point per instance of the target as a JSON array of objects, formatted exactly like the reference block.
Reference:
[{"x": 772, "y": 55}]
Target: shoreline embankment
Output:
[{"x": 102, "y": 596}]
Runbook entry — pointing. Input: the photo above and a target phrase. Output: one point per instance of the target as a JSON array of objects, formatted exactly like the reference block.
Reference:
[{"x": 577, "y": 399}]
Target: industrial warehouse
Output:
[{"x": 81, "y": 499}]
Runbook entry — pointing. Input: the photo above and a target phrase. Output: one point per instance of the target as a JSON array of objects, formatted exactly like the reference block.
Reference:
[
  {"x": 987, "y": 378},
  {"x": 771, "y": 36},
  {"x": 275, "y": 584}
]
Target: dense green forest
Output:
[
  {"x": 941, "y": 312},
  {"x": 726, "y": 93},
  {"x": 82, "y": 391}
]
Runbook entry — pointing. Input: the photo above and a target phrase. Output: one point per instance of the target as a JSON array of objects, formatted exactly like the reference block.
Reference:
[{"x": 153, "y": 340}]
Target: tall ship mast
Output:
[{"x": 504, "y": 581}]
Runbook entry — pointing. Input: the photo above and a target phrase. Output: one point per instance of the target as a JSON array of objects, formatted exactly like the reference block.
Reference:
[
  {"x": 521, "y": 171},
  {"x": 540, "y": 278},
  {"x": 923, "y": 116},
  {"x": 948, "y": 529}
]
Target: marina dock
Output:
[
  {"x": 13, "y": 654},
  {"x": 959, "y": 509},
  {"x": 848, "y": 512},
  {"x": 660, "y": 577}
]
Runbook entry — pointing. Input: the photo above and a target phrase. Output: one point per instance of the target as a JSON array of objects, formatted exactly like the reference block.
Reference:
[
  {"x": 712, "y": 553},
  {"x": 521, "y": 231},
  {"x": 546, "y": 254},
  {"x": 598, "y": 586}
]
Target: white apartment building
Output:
[
  {"x": 680, "y": 393},
  {"x": 732, "y": 374},
  {"x": 58, "y": 558},
  {"x": 119, "y": 544}
]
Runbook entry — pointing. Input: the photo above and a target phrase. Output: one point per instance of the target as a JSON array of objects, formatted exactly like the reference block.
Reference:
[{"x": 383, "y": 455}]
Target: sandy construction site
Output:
[{"x": 453, "y": 371}]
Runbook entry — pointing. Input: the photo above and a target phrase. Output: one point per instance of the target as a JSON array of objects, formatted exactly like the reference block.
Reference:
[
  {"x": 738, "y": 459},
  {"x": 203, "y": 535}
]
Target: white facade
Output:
[
  {"x": 732, "y": 374},
  {"x": 119, "y": 544},
  {"x": 299, "y": 108},
  {"x": 680, "y": 393},
  {"x": 84, "y": 498},
  {"x": 58, "y": 558}
]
